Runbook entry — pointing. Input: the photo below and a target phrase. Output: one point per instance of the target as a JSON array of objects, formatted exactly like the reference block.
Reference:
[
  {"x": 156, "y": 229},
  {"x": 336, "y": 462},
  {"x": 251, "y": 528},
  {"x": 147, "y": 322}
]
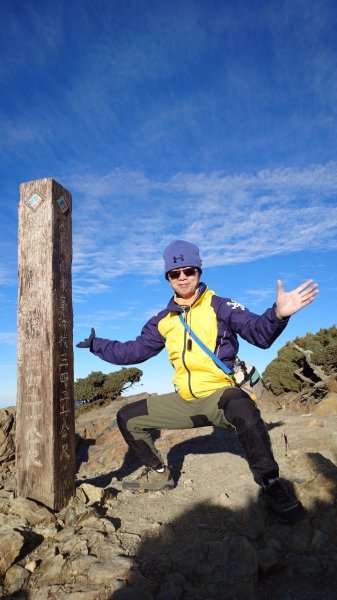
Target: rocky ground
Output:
[{"x": 211, "y": 537}]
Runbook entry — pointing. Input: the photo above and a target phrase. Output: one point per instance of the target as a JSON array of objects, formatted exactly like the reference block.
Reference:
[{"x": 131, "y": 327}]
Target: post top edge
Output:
[{"x": 41, "y": 181}]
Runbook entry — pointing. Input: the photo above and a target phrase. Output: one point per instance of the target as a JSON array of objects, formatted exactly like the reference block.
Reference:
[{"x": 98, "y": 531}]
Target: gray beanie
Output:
[{"x": 181, "y": 254}]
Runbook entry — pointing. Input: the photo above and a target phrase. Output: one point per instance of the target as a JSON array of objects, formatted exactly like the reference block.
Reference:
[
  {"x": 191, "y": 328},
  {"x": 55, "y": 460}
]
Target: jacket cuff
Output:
[{"x": 282, "y": 319}]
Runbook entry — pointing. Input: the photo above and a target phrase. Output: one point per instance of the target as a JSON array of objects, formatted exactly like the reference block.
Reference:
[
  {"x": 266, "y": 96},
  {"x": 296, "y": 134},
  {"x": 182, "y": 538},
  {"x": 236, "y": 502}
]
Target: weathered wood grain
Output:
[{"x": 45, "y": 446}]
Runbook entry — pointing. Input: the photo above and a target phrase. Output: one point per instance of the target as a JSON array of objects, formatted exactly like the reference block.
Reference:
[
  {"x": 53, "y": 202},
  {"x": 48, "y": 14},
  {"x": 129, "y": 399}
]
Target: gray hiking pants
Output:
[{"x": 228, "y": 407}]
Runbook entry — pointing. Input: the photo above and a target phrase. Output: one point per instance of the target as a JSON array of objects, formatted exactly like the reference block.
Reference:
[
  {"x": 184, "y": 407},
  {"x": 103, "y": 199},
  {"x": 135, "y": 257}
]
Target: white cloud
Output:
[
  {"x": 6, "y": 276},
  {"x": 109, "y": 319},
  {"x": 257, "y": 296},
  {"x": 8, "y": 337},
  {"x": 126, "y": 219}
]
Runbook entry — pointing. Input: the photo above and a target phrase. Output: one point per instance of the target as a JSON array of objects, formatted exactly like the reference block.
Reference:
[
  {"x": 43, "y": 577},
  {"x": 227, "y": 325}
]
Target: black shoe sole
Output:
[
  {"x": 134, "y": 487},
  {"x": 293, "y": 515}
]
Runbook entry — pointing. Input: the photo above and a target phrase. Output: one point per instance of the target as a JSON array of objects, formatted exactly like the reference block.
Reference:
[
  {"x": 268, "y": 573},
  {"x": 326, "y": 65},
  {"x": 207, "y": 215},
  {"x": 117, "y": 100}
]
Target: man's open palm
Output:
[{"x": 289, "y": 303}]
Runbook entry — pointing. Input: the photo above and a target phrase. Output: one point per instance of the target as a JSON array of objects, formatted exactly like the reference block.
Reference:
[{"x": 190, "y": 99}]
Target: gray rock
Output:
[
  {"x": 169, "y": 591},
  {"x": 45, "y": 592},
  {"x": 121, "y": 591},
  {"x": 15, "y": 578},
  {"x": 51, "y": 570},
  {"x": 300, "y": 536},
  {"x": 271, "y": 559},
  {"x": 106, "y": 571},
  {"x": 6, "y": 494},
  {"x": 87, "y": 594},
  {"x": 92, "y": 494},
  {"x": 80, "y": 565},
  {"x": 13, "y": 521},
  {"x": 7, "y": 434},
  {"x": 321, "y": 541},
  {"x": 11, "y": 544},
  {"x": 33, "y": 512},
  {"x": 75, "y": 546},
  {"x": 31, "y": 566}
]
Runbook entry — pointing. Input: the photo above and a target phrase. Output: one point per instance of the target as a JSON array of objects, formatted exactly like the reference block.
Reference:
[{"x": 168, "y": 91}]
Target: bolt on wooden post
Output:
[{"x": 45, "y": 431}]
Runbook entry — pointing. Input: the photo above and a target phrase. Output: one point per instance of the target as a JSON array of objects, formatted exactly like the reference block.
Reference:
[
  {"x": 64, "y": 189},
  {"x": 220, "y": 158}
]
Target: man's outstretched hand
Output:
[
  {"x": 87, "y": 342},
  {"x": 289, "y": 303}
]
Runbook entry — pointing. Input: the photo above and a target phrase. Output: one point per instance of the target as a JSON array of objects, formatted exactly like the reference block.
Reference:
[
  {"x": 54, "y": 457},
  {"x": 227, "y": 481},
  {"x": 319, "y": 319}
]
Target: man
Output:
[{"x": 205, "y": 394}]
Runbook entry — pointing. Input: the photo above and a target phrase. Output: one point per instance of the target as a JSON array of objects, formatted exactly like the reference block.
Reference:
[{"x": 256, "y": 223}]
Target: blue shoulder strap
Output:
[{"x": 211, "y": 354}]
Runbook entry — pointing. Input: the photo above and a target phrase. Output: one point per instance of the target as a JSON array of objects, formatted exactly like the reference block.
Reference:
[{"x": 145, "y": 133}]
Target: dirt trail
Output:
[{"x": 217, "y": 500}]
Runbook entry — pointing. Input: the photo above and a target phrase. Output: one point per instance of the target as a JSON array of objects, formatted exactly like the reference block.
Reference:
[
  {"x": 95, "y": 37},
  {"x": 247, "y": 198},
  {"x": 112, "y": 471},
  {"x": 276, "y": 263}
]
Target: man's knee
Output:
[
  {"x": 130, "y": 411},
  {"x": 239, "y": 409}
]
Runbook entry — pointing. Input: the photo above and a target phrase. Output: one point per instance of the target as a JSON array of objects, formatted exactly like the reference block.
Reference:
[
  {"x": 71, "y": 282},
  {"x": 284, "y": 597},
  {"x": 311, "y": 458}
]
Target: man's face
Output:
[{"x": 184, "y": 281}]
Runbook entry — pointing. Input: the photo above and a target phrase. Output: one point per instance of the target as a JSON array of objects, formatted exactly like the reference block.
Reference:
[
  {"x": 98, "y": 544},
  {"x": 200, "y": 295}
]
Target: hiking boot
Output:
[
  {"x": 150, "y": 480},
  {"x": 282, "y": 502}
]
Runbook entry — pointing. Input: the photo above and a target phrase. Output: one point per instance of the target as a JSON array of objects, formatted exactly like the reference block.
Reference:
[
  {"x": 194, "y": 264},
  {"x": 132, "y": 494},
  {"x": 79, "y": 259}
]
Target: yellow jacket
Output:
[
  {"x": 216, "y": 321},
  {"x": 196, "y": 374}
]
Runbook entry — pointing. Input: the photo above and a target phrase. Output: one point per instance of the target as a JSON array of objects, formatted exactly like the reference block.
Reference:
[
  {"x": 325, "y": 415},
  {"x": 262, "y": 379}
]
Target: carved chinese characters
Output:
[{"x": 45, "y": 407}]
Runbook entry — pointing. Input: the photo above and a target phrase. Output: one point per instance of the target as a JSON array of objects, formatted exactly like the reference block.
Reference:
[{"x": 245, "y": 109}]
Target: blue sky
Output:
[{"x": 210, "y": 121}]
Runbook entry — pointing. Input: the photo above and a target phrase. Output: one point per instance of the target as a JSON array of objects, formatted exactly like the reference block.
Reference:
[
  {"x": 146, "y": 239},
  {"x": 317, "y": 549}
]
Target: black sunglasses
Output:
[{"x": 189, "y": 272}]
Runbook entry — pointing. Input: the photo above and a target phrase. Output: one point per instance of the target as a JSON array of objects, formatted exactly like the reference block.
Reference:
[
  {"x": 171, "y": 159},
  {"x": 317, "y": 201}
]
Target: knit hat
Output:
[{"x": 181, "y": 254}]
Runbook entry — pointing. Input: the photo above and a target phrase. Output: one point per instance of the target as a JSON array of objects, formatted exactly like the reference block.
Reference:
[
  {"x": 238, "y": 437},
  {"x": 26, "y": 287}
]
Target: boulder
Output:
[
  {"x": 7, "y": 434},
  {"x": 15, "y": 578},
  {"x": 11, "y": 544},
  {"x": 33, "y": 512}
]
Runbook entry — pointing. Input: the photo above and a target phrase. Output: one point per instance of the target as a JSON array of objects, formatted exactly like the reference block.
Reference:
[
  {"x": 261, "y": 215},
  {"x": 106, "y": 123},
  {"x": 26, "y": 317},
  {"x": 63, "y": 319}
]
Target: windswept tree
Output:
[
  {"x": 102, "y": 386},
  {"x": 295, "y": 365}
]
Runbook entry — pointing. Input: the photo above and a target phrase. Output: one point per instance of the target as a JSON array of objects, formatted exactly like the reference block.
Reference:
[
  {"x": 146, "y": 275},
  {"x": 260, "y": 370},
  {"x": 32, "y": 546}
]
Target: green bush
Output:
[
  {"x": 280, "y": 373},
  {"x": 101, "y": 386}
]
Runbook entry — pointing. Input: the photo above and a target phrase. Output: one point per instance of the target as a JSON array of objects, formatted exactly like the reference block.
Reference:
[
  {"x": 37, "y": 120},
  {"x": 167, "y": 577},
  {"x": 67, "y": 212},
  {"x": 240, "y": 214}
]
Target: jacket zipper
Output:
[
  {"x": 223, "y": 337},
  {"x": 183, "y": 356}
]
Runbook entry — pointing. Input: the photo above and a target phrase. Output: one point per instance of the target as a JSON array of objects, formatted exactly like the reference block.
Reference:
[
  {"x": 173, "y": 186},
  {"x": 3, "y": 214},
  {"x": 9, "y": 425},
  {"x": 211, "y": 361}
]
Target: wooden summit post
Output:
[{"x": 45, "y": 430}]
